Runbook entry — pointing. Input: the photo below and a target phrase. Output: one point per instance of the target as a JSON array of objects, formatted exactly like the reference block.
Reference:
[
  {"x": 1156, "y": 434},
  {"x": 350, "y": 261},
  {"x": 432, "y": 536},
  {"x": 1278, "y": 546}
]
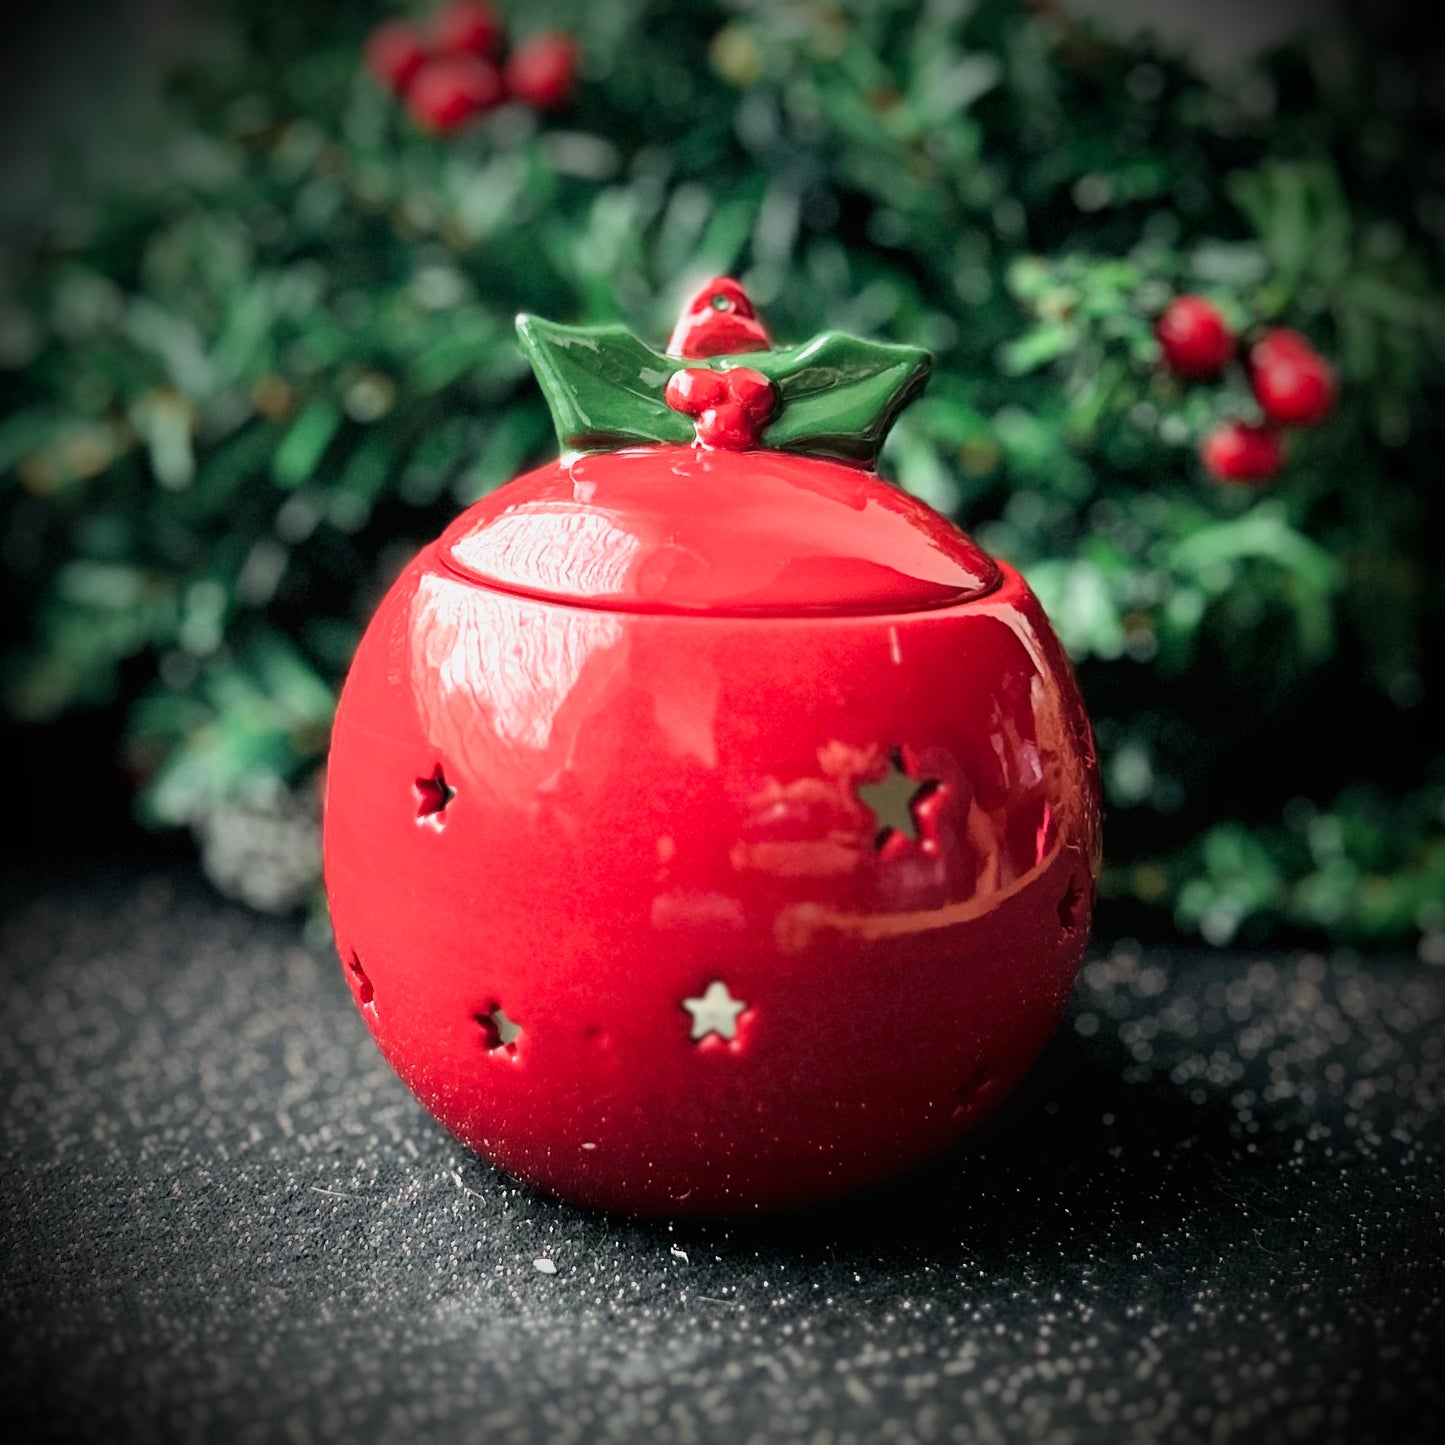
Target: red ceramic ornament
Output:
[{"x": 710, "y": 825}]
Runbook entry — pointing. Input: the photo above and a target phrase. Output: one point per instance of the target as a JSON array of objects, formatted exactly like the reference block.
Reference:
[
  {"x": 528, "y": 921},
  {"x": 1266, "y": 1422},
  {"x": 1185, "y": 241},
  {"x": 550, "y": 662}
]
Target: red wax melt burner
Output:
[{"x": 710, "y": 825}]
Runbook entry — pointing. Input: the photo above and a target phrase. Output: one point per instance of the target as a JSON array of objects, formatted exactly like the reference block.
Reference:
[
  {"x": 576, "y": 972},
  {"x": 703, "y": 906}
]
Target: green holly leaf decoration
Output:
[
  {"x": 840, "y": 394},
  {"x": 605, "y": 388}
]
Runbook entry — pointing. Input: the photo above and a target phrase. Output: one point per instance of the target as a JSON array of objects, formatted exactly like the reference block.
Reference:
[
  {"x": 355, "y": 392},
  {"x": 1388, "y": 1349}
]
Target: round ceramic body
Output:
[{"x": 615, "y": 878}]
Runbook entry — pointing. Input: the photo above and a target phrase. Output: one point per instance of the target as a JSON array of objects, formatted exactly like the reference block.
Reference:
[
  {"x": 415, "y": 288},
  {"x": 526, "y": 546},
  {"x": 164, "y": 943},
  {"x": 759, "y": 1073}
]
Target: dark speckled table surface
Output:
[{"x": 1214, "y": 1213}]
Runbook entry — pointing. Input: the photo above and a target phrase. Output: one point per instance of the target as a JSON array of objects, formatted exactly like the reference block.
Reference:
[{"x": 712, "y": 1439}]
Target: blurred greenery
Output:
[{"x": 237, "y": 397}]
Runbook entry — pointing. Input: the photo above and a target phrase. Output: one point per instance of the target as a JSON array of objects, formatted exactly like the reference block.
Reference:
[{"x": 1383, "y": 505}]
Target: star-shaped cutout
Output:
[
  {"x": 892, "y": 798},
  {"x": 432, "y": 796},
  {"x": 716, "y": 1012},
  {"x": 500, "y": 1032}
]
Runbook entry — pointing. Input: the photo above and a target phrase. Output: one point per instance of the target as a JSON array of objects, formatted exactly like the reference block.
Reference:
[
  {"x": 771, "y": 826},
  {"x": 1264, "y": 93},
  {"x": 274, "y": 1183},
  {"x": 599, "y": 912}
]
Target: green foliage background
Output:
[{"x": 237, "y": 398}]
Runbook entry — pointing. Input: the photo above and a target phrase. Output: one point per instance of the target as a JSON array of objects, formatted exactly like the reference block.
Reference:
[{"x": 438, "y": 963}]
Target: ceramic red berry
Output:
[
  {"x": 542, "y": 71},
  {"x": 1237, "y": 452},
  {"x": 467, "y": 27},
  {"x": 710, "y": 825},
  {"x": 1294, "y": 384},
  {"x": 718, "y": 321},
  {"x": 732, "y": 407},
  {"x": 1195, "y": 341},
  {"x": 394, "y": 53},
  {"x": 695, "y": 389},
  {"x": 449, "y": 90}
]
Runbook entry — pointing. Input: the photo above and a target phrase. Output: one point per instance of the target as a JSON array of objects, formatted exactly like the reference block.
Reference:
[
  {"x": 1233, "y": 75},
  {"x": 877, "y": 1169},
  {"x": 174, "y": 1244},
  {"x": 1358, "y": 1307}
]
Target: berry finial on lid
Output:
[{"x": 719, "y": 320}]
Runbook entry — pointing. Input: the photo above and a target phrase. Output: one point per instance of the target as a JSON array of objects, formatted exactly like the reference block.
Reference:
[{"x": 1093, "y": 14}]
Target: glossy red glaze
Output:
[
  {"x": 679, "y": 529},
  {"x": 563, "y": 837},
  {"x": 727, "y": 427},
  {"x": 732, "y": 407},
  {"x": 753, "y": 392},
  {"x": 694, "y": 390},
  {"x": 718, "y": 320}
]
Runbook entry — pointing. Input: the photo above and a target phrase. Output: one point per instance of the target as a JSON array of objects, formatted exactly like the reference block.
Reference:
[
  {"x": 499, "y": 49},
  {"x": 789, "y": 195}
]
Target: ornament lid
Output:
[
  {"x": 725, "y": 476},
  {"x": 754, "y": 533}
]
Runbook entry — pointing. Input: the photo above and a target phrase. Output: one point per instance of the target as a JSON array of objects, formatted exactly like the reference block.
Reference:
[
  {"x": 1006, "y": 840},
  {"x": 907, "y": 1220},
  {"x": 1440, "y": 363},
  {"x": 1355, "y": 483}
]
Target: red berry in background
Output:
[
  {"x": 1238, "y": 452},
  {"x": 450, "y": 89},
  {"x": 542, "y": 71},
  {"x": 1196, "y": 342},
  {"x": 1294, "y": 384},
  {"x": 467, "y": 27},
  {"x": 394, "y": 53}
]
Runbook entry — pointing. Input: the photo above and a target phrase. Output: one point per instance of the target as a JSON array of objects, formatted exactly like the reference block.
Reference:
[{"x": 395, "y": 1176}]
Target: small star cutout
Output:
[
  {"x": 500, "y": 1031},
  {"x": 891, "y": 800},
  {"x": 432, "y": 795},
  {"x": 716, "y": 1012}
]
